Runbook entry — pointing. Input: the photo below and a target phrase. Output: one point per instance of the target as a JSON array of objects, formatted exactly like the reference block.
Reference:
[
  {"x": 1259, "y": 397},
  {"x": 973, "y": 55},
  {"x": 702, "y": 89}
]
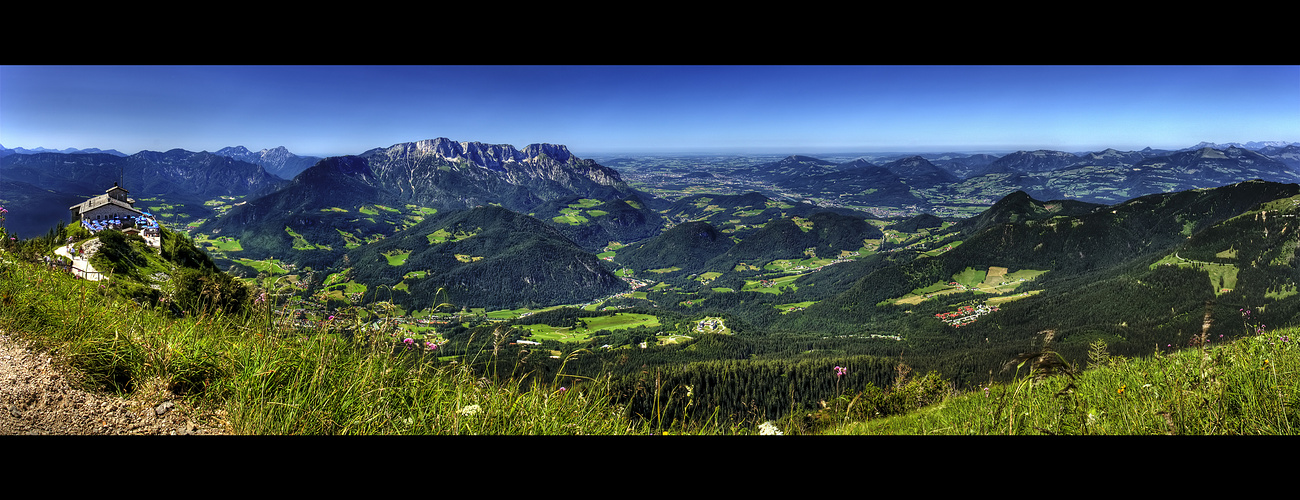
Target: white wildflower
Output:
[
  {"x": 768, "y": 429},
  {"x": 469, "y": 410}
]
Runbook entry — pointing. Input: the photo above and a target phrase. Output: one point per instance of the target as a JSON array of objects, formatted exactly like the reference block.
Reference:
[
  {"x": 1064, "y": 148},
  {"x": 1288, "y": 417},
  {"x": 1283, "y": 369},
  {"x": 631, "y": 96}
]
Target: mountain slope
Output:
[
  {"x": 482, "y": 257},
  {"x": 824, "y": 234},
  {"x": 866, "y": 185},
  {"x": 687, "y": 247},
  {"x": 793, "y": 166},
  {"x": 1111, "y": 176},
  {"x": 919, "y": 173}
]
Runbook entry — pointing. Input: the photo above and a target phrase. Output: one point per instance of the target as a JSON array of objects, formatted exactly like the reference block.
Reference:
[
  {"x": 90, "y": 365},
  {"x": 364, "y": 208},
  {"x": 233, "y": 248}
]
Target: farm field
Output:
[
  {"x": 772, "y": 285},
  {"x": 221, "y": 244},
  {"x": 589, "y": 326},
  {"x": 511, "y": 314},
  {"x": 574, "y": 213},
  {"x": 1223, "y": 277},
  {"x": 794, "y": 306},
  {"x": 444, "y": 236},
  {"x": 995, "y": 280},
  {"x": 269, "y": 266},
  {"x": 300, "y": 242},
  {"x": 787, "y": 265},
  {"x": 997, "y": 301},
  {"x": 397, "y": 258}
]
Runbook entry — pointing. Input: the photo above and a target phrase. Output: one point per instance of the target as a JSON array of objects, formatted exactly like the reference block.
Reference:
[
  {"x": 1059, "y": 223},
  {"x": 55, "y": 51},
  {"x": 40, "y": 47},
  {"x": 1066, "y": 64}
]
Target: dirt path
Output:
[
  {"x": 81, "y": 263},
  {"x": 36, "y": 398}
]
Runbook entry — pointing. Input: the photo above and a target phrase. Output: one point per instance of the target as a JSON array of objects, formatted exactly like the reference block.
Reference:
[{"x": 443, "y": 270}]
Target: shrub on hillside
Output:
[
  {"x": 177, "y": 248},
  {"x": 199, "y": 291},
  {"x": 119, "y": 253}
]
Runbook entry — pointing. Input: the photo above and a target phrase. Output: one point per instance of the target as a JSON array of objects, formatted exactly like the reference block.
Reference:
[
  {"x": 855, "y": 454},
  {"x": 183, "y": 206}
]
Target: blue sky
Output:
[{"x": 597, "y": 110}]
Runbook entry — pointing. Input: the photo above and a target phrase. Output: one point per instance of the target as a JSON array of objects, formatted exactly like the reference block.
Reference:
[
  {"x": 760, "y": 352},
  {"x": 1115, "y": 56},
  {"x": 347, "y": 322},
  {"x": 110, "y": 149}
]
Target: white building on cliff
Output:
[{"x": 113, "y": 204}]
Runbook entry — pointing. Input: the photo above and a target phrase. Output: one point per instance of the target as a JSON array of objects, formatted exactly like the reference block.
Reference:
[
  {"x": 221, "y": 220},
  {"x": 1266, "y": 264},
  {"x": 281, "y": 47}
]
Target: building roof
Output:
[{"x": 100, "y": 201}]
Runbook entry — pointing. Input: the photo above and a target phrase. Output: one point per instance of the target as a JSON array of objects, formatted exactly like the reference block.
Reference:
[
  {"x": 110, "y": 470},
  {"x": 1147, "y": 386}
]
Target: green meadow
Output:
[
  {"x": 618, "y": 321},
  {"x": 1223, "y": 277},
  {"x": 773, "y": 285},
  {"x": 444, "y": 236},
  {"x": 301, "y": 243},
  {"x": 577, "y": 213},
  {"x": 219, "y": 244},
  {"x": 794, "y": 306},
  {"x": 397, "y": 257},
  {"x": 995, "y": 280},
  {"x": 269, "y": 266}
]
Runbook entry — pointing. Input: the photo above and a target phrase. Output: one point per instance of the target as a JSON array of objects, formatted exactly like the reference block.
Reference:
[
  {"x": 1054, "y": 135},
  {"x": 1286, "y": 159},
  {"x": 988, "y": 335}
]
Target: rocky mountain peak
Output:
[
  {"x": 557, "y": 152},
  {"x": 234, "y": 151},
  {"x": 490, "y": 156}
]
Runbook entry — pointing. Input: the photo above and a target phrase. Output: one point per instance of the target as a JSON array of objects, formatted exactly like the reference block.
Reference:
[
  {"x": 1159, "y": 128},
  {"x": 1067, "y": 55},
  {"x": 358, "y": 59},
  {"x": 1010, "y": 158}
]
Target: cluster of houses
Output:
[
  {"x": 710, "y": 325},
  {"x": 965, "y": 315}
]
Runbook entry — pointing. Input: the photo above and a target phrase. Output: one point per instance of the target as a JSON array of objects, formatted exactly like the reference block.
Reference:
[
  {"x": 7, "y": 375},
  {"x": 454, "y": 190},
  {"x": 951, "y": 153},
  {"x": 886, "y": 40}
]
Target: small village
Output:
[{"x": 965, "y": 315}]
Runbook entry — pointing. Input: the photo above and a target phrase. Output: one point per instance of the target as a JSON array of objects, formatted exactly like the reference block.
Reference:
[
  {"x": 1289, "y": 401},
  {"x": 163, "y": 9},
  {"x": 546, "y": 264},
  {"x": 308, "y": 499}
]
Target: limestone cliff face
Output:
[{"x": 442, "y": 172}]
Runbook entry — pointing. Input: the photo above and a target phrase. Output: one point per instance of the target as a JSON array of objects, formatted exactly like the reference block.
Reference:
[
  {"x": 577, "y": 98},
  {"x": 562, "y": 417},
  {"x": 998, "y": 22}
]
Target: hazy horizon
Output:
[
  {"x": 606, "y": 110},
  {"x": 774, "y": 151}
]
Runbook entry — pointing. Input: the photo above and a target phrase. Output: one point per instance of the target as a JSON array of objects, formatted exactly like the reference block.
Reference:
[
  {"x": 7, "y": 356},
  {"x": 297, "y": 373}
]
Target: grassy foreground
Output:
[
  {"x": 1249, "y": 386},
  {"x": 253, "y": 376}
]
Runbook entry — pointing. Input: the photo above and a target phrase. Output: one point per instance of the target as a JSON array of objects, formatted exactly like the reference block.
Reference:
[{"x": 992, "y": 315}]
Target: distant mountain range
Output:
[
  {"x": 1252, "y": 145},
  {"x": 1107, "y": 176},
  {"x": 38, "y": 188},
  {"x": 23, "y": 151},
  {"x": 278, "y": 161}
]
